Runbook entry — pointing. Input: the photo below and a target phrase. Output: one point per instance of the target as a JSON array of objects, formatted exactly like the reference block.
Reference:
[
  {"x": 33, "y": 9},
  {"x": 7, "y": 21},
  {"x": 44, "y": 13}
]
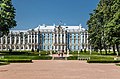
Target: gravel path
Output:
[{"x": 59, "y": 69}]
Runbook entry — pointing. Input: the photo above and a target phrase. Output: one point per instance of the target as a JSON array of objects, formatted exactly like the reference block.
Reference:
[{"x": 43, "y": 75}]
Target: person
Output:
[{"x": 59, "y": 54}]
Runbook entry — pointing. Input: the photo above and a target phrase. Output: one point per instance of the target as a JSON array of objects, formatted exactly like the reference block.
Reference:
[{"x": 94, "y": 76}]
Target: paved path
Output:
[{"x": 59, "y": 69}]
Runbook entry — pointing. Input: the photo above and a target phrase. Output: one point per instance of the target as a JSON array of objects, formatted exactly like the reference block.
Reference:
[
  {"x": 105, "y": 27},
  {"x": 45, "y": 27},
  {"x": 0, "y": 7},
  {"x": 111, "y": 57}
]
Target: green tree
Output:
[
  {"x": 113, "y": 25},
  {"x": 104, "y": 23},
  {"x": 7, "y": 17}
]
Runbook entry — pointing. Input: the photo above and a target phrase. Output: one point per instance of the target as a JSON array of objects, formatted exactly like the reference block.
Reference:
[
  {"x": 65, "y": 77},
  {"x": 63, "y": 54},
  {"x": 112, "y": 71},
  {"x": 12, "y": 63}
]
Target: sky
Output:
[{"x": 31, "y": 13}]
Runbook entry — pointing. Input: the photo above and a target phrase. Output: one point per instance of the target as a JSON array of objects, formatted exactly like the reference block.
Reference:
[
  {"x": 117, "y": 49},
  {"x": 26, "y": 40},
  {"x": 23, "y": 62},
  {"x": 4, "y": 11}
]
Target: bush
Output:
[
  {"x": 42, "y": 58},
  {"x": 17, "y": 53},
  {"x": 44, "y": 52},
  {"x": 29, "y": 57},
  {"x": 101, "y": 57},
  {"x": 4, "y": 63},
  {"x": 117, "y": 64},
  {"x": 16, "y": 60},
  {"x": 72, "y": 58},
  {"x": 14, "y": 52},
  {"x": 103, "y": 61}
]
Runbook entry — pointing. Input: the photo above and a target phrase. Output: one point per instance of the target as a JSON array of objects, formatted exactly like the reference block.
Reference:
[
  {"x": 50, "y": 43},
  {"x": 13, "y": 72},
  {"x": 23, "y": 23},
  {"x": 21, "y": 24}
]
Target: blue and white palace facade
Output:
[{"x": 43, "y": 37}]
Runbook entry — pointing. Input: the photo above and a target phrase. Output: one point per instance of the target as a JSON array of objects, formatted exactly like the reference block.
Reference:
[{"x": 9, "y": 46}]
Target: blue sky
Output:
[{"x": 31, "y": 13}]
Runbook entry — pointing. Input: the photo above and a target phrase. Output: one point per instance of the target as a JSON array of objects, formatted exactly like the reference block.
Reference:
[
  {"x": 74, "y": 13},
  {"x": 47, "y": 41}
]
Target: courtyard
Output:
[{"x": 59, "y": 69}]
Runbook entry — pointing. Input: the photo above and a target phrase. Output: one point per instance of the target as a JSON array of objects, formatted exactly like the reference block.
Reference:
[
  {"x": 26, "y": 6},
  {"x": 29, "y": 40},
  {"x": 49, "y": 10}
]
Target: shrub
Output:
[
  {"x": 44, "y": 52},
  {"x": 4, "y": 63},
  {"x": 72, "y": 58},
  {"x": 14, "y": 52},
  {"x": 17, "y": 53},
  {"x": 118, "y": 64},
  {"x": 43, "y": 57},
  {"x": 103, "y": 61},
  {"x": 16, "y": 60}
]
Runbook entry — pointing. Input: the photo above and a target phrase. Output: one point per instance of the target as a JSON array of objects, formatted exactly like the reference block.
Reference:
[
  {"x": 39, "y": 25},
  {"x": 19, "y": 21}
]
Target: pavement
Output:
[{"x": 59, "y": 69}]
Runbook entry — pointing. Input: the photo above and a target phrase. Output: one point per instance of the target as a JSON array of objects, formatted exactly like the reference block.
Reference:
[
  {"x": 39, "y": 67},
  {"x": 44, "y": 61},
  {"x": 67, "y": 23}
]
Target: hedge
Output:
[
  {"x": 14, "y": 52},
  {"x": 103, "y": 61},
  {"x": 16, "y": 60},
  {"x": 72, "y": 58},
  {"x": 42, "y": 58},
  {"x": 29, "y": 57},
  {"x": 118, "y": 64},
  {"x": 4, "y": 63}
]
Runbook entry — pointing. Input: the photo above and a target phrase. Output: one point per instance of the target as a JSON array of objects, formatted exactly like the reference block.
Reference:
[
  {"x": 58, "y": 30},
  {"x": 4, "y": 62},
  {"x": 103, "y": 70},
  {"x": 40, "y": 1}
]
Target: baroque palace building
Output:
[{"x": 55, "y": 38}]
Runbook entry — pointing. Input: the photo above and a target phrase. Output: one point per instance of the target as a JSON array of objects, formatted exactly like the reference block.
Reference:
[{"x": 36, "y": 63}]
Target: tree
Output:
[
  {"x": 104, "y": 25},
  {"x": 7, "y": 17}
]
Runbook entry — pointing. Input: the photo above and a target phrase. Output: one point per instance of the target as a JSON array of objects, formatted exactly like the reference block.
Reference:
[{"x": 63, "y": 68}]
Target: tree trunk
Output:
[
  {"x": 100, "y": 51},
  {"x": 114, "y": 49},
  {"x": 105, "y": 48},
  {"x": 117, "y": 46},
  {"x": 109, "y": 49},
  {"x": 106, "y": 51}
]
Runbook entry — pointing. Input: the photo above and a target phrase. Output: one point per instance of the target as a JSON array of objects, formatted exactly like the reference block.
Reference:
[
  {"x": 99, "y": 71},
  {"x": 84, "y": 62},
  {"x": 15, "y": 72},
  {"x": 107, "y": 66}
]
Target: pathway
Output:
[{"x": 59, "y": 69}]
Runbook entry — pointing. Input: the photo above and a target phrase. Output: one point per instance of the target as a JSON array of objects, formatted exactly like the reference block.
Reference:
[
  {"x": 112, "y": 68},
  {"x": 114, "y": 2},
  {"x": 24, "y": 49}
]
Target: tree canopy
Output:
[
  {"x": 104, "y": 25},
  {"x": 7, "y": 17}
]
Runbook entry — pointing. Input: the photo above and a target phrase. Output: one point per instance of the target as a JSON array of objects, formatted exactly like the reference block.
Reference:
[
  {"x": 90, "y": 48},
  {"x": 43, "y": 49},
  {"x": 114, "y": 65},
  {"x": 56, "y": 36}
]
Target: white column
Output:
[
  {"x": 50, "y": 46},
  {"x": 23, "y": 41},
  {"x": 31, "y": 41},
  {"x": 19, "y": 43},
  {"x": 15, "y": 41},
  {"x": 28, "y": 38},
  {"x": 34, "y": 41},
  {"x": 57, "y": 40},
  {"x": 64, "y": 38},
  {"x": 6, "y": 40},
  {"x": 28, "y": 42},
  {"x": 37, "y": 37},
  {"x": 61, "y": 38},
  {"x": 19, "y": 40},
  {"x": 53, "y": 41},
  {"x": 87, "y": 41},
  {"x": 78, "y": 42},
  {"x": 81, "y": 38},
  {"x": 10, "y": 41},
  {"x": 75, "y": 41},
  {"x": 64, "y": 41},
  {"x": 84, "y": 40}
]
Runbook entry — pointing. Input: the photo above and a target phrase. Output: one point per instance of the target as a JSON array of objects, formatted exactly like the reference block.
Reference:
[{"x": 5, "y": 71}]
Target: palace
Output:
[{"x": 43, "y": 37}]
